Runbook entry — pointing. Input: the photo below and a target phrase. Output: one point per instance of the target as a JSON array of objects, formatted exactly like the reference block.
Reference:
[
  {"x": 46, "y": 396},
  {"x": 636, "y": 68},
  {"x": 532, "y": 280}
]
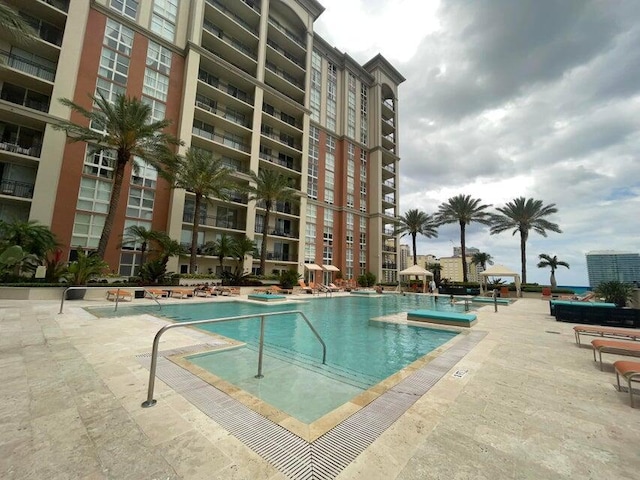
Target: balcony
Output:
[
  {"x": 272, "y": 67},
  {"x": 16, "y": 189},
  {"x": 280, "y": 115},
  {"x": 25, "y": 97},
  {"x": 282, "y": 207},
  {"x": 225, "y": 87},
  {"x": 212, "y": 221},
  {"x": 59, "y": 4},
  {"x": 293, "y": 37},
  {"x": 280, "y": 257},
  {"x": 299, "y": 63},
  {"x": 21, "y": 140},
  {"x": 281, "y": 137},
  {"x": 44, "y": 30},
  {"x": 27, "y": 66},
  {"x": 221, "y": 111},
  {"x": 282, "y": 160},
  {"x": 234, "y": 16},
  {"x": 205, "y": 130}
]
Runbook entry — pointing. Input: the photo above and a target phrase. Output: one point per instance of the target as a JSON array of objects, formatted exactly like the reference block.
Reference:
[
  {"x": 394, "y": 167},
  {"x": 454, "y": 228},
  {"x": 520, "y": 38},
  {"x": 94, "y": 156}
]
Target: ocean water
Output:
[{"x": 576, "y": 289}]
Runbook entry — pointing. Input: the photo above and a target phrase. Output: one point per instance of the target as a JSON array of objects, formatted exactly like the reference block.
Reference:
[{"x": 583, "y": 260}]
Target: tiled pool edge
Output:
[{"x": 328, "y": 455}]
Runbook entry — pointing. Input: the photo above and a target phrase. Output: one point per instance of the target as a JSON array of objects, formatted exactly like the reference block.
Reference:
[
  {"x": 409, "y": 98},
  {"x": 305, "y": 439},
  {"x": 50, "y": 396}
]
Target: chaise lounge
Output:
[
  {"x": 630, "y": 371},
  {"x": 631, "y": 349},
  {"x": 120, "y": 295},
  {"x": 621, "y": 333}
]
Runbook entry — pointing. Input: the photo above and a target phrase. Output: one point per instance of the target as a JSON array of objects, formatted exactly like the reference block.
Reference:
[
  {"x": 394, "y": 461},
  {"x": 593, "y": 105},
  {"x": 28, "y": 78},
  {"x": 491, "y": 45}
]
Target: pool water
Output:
[{"x": 361, "y": 352}]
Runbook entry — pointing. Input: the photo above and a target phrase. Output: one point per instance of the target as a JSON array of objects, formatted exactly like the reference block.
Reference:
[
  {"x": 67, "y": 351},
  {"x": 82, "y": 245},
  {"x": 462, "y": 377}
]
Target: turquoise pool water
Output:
[{"x": 361, "y": 352}]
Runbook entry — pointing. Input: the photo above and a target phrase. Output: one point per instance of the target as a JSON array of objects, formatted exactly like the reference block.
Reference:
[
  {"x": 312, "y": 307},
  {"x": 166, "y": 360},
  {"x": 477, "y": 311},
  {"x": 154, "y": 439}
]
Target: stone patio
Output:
[{"x": 531, "y": 405}]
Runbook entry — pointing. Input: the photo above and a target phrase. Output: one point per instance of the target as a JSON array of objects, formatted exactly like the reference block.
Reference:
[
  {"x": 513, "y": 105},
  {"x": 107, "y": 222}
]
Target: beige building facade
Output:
[{"x": 247, "y": 80}]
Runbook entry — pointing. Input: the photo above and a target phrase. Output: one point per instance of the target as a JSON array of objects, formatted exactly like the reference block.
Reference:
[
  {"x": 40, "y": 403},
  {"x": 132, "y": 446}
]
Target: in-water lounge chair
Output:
[
  {"x": 630, "y": 371},
  {"x": 631, "y": 349},
  {"x": 120, "y": 295}
]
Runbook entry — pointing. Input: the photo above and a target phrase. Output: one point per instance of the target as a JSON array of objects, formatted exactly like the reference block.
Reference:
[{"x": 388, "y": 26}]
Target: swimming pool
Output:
[{"x": 361, "y": 351}]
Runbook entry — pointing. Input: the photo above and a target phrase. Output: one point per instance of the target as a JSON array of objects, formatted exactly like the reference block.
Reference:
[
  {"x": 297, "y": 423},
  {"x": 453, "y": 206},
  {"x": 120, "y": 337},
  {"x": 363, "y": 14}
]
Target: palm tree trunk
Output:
[
  {"x": 553, "y": 279},
  {"x": 263, "y": 247},
  {"x": 463, "y": 251},
  {"x": 118, "y": 178},
  {"x": 194, "y": 233},
  {"x": 523, "y": 255},
  {"x": 415, "y": 256},
  {"x": 143, "y": 248}
]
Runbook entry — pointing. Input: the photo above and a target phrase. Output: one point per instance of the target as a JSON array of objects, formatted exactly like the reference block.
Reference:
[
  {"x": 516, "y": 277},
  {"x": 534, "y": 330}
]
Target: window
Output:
[
  {"x": 146, "y": 176},
  {"x": 140, "y": 204},
  {"x": 364, "y": 121},
  {"x": 99, "y": 164},
  {"x": 130, "y": 223},
  {"x": 87, "y": 229},
  {"x": 327, "y": 255},
  {"x": 163, "y": 18},
  {"x": 118, "y": 37},
  {"x": 128, "y": 8},
  {"x": 109, "y": 90},
  {"x": 114, "y": 66},
  {"x": 328, "y": 217},
  {"x": 158, "y": 109},
  {"x": 156, "y": 85},
  {"x": 158, "y": 58},
  {"x": 94, "y": 195}
]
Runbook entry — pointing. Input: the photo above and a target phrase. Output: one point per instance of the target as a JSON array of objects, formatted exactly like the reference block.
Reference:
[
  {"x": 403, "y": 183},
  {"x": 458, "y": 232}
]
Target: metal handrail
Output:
[
  {"x": 150, "y": 402},
  {"x": 64, "y": 295}
]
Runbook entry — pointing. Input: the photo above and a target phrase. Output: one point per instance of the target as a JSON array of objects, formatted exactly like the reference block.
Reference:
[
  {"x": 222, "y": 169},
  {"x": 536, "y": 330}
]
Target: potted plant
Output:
[
  {"x": 80, "y": 271},
  {"x": 615, "y": 292}
]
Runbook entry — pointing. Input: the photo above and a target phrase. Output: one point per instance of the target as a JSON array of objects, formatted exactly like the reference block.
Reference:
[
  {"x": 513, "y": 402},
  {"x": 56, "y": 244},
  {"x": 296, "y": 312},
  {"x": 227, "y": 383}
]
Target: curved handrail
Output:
[{"x": 150, "y": 402}]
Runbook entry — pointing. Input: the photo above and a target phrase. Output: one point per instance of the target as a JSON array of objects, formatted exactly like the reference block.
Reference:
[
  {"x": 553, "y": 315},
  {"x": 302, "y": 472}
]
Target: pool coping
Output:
[{"x": 328, "y": 454}]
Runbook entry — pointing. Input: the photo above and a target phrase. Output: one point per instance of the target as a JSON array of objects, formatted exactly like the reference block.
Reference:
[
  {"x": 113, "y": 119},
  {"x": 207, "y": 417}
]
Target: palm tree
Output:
[
  {"x": 481, "y": 258},
  {"x": 128, "y": 130},
  {"x": 221, "y": 248},
  {"x": 17, "y": 27},
  {"x": 522, "y": 215},
  {"x": 463, "y": 209},
  {"x": 242, "y": 246},
  {"x": 167, "y": 247},
  {"x": 436, "y": 269},
  {"x": 139, "y": 234},
  {"x": 553, "y": 263},
  {"x": 203, "y": 175},
  {"x": 415, "y": 222},
  {"x": 33, "y": 237},
  {"x": 270, "y": 188}
]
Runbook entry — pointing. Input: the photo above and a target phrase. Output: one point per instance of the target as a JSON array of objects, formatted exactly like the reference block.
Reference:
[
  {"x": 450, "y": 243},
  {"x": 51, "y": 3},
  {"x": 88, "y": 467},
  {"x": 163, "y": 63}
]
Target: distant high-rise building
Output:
[
  {"x": 406, "y": 259},
  {"x": 608, "y": 265},
  {"x": 470, "y": 251},
  {"x": 452, "y": 269}
]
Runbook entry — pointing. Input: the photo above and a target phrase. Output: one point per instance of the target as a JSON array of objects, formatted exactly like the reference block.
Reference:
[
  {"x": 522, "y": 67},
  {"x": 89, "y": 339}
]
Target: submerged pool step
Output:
[{"x": 335, "y": 372}]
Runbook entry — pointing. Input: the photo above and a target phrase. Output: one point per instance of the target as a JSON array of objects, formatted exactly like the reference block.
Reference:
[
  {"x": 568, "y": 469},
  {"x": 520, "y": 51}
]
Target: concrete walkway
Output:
[{"x": 532, "y": 405}]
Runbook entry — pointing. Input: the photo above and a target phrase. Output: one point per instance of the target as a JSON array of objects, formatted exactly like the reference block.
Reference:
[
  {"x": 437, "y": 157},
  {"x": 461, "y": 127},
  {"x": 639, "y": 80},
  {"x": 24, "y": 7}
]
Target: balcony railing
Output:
[
  {"x": 286, "y": 76},
  {"x": 32, "y": 151},
  {"x": 284, "y": 53},
  {"x": 390, "y": 266},
  {"x": 281, "y": 257},
  {"x": 223, "y": 112},
  {"x": 211, "y": 221},
  {"x": 23, "y": 99},
  {"x": 390, "y": 167},
  {"x": 388, "y": 103},
  {"x": 292, "y": 36},
  {"x": 221, "y": 138},
  {"x": 389, "y": 249},
  {"x": 46, "y": 32},
  {"x": 281, "y": 207},
  {"x": 286, "y": 118},
  {"x": 237, "y": 18},
  {"x": 28, "y": 66},
  {"x": 234, "y": 42},
  {"x": 225, "y": 87},
  {"x": 16, "y": 189},
  {"x": 279, "y": 161},
  {"x": 281, "y": 137},
  {"x": 59, "y": 4}
]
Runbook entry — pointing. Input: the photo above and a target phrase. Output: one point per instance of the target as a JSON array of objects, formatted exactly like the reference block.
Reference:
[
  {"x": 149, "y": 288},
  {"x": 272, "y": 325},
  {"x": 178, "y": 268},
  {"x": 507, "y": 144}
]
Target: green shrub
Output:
[
  {"x": 289, "y": 278},
  {"x": 367, "y": 280},
  {"x": 615, "y": 292}
]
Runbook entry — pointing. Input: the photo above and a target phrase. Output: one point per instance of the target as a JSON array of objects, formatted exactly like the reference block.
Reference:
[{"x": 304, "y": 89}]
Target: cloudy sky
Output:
[{"x": 503, "y": 98}]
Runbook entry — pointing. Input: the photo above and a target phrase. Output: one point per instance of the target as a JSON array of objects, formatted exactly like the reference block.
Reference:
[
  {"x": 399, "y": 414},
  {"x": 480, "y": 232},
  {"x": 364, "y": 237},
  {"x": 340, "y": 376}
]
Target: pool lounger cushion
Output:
[
  {"x": 443, "y": 318},
  {"x": 499, "y": 301},
  {"x": 630, "y": 371},
  {"x": 616, "y": 347},
  {"x": 120, "y": 294},
  {"x": 623, "y": 333}
]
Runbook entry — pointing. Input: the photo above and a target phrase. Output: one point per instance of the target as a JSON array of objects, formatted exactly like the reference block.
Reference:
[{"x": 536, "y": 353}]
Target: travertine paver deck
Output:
[{"x": 532, "y": 405}]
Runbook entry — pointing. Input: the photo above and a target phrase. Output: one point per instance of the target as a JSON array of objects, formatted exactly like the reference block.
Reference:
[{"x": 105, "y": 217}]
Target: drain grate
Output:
[{"x": 330, "y": 454}]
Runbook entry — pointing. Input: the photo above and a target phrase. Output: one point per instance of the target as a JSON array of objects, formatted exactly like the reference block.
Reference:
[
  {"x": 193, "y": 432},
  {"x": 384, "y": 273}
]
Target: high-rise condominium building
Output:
[
  {"x": 247, "y": 80},
  {"x": 608, "y": 265}
]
